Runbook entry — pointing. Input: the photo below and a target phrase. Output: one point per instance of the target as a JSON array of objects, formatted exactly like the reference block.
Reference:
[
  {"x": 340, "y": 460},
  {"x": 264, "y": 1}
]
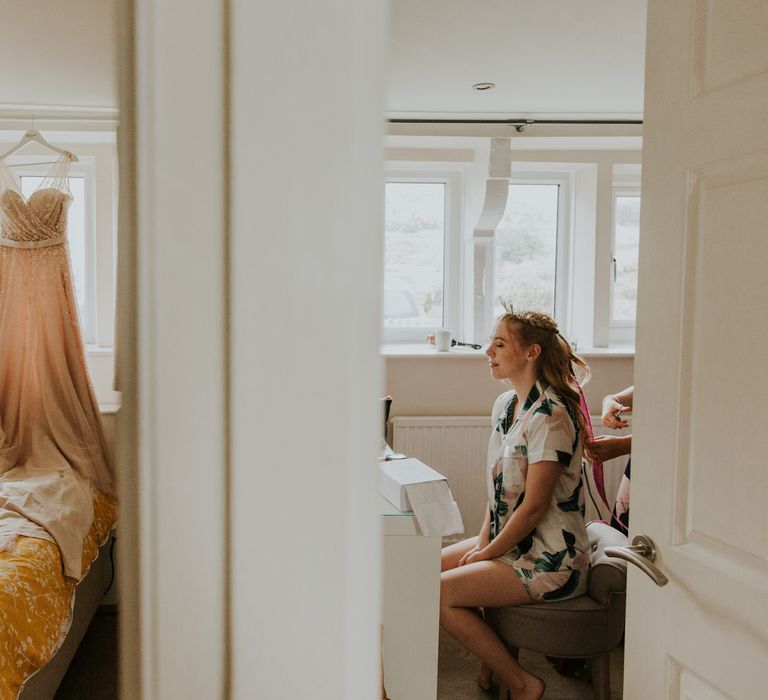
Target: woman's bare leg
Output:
[
  {"x": 486, "y": 584},
  {"x": 451, "y": 555}
]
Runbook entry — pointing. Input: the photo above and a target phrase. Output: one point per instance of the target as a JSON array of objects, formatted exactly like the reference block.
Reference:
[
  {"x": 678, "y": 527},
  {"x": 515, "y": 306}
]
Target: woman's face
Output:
[{"x": 507, "y": 357}]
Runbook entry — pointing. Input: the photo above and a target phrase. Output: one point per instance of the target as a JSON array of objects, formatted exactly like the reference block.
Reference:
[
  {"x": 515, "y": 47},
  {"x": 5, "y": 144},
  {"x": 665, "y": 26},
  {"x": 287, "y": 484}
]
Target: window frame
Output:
[
  {"x": 626, "y": 183},
  {"x": 587, "y": 169},
  {"x": 453, "y": 181}
]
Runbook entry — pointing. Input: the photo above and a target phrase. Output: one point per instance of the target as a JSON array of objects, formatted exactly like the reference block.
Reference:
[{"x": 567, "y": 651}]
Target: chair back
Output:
[{"x": 608, "y": 578}]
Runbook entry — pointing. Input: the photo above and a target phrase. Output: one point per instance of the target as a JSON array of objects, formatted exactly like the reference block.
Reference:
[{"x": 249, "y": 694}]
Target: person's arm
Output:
[
  {"x": 605, "y": 447},
  {"x": 482, "y": 539},
  {"x": 539, "y": 488},
  {"x": 615, "y": 406}
]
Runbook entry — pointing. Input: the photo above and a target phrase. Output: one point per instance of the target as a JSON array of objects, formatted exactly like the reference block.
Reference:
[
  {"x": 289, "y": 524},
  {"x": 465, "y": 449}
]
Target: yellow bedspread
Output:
[{"x": 36, "y": 599}]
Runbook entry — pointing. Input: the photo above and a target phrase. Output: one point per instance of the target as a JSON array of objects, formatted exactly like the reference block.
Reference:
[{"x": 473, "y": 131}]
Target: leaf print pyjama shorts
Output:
[{"x": 548, "y": 586}]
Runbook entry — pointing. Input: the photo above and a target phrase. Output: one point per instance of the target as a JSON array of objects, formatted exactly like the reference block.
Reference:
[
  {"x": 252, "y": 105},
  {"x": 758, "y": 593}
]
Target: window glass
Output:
[
  {"x": 525, "y": 248},
  {"x": 75, "y": 231},
  {"x": 414, "y": 245},
  {"x": 626, "y": 237}
]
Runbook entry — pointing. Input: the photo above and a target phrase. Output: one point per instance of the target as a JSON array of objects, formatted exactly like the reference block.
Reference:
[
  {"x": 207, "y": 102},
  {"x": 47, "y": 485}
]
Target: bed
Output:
[{"x": 43, "y": 613}]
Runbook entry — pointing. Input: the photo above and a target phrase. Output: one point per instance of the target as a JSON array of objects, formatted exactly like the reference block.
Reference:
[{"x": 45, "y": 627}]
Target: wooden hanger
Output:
[{"x": 35, "y": 135}]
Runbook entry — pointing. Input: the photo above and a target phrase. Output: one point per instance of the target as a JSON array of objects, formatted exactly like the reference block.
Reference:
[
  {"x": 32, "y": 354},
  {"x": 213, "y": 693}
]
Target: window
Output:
[
  {"x": 626, "y": 243},
  {"x": 550, "y": 226},
  {"x": 525, "y": 248},
  {"x": 531, "y": 245},
  {"x": 414, "y": 251},
  {"x": 420, "y": 255}
]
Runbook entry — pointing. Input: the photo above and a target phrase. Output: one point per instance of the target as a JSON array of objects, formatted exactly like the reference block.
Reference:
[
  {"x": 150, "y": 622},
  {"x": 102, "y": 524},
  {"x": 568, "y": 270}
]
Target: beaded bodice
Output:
[
  {"x": 39, "y": 219},
  {"x": 43, "y": 216}
]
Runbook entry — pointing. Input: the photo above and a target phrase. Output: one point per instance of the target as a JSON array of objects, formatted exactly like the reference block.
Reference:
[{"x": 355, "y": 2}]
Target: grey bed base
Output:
[{"x": 88, "y": 595}]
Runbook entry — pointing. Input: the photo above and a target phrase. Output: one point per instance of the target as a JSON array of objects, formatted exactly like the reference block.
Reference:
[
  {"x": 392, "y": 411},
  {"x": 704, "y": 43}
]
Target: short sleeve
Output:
[{"x": 550, "y": 435}]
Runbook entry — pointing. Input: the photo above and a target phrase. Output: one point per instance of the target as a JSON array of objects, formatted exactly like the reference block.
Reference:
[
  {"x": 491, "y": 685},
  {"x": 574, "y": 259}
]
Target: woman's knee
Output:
[
  {"x": 448, "y": 591},
  {"x": 448, "y": 561},
  {"x": 445, "y": 559},
  {"x": 452, "y": 554}
]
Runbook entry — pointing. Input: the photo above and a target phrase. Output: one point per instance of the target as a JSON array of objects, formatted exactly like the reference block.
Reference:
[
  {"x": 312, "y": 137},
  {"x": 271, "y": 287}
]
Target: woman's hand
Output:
[
  {"x": 477, "y": 553},
  {"x": 605, "y": 447},
  {"x": 613, "y": 411}
]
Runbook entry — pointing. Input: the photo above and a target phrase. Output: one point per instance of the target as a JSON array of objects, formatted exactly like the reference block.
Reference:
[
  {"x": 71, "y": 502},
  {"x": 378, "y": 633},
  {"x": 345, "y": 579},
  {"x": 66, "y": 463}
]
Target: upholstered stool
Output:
[{"x": 588, "y": 626}]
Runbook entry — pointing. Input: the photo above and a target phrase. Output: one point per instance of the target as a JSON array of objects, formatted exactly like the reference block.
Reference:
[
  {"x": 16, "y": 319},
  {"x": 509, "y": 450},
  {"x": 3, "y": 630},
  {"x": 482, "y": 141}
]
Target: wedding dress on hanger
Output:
[{"x": 49, "y": 418}]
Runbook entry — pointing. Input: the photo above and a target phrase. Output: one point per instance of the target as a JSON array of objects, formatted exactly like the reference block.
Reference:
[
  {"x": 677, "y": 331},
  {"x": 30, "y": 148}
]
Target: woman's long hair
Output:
[{"x": 559, "y": 366}]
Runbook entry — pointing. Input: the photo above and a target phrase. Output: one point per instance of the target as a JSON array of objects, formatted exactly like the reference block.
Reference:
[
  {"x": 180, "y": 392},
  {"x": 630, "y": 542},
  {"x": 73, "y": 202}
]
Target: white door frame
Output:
[
  {"x": 251, "y": 203},
  {"x": 172, "y": 444}
]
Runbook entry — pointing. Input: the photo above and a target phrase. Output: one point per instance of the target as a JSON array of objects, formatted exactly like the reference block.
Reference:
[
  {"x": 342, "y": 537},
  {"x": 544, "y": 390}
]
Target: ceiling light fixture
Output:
[{"x": 484, "y": 86}]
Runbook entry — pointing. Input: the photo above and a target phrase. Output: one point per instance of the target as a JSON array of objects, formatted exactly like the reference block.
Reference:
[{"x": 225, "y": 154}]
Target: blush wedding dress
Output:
[{"x": 49, "y": 417}]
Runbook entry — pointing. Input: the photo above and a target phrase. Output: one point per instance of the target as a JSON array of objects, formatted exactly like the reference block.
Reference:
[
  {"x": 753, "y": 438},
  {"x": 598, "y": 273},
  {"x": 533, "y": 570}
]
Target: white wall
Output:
[
  {"x": 306, "y": 288},
  {"x": 462, "y": 386},
  {"x": 57, "y": 53},
  {"x": 254, "y": 375}
]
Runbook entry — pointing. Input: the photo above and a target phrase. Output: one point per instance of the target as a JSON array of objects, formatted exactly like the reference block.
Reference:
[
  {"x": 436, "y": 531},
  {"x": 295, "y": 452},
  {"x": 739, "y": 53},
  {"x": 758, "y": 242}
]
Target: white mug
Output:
[{"x": 443, "y": 340}]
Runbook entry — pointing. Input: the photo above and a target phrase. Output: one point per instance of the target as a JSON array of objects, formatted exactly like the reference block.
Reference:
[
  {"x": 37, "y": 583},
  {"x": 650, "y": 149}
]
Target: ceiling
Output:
[{"x": 548, "y": 58}]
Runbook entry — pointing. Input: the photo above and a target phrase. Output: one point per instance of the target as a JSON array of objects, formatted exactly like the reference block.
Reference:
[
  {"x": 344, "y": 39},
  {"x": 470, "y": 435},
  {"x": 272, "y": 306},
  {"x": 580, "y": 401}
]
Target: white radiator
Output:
[{"x": 456, "y": 446}]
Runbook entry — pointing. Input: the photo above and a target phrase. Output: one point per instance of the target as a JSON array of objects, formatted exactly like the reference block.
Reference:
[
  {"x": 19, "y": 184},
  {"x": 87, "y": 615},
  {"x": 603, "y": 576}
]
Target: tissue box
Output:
[{"x": 396, "y": 474}]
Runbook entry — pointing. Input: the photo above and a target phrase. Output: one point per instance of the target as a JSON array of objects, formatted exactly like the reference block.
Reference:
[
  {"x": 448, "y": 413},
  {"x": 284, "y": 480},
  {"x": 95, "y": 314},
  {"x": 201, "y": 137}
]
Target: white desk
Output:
[{"x": 411, "y": 606}]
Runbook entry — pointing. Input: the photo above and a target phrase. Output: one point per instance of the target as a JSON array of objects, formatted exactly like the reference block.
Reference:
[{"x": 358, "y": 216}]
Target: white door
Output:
[{"x": 700, "y": 476}]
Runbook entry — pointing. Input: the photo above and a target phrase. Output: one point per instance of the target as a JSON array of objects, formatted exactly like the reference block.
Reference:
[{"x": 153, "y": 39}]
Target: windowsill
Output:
[
  {"x": 92, "y": 349},
  {"x": 107, "y": 409},
  {"x": 612, "y": 351},
  {"x": 422, "y": 350}
]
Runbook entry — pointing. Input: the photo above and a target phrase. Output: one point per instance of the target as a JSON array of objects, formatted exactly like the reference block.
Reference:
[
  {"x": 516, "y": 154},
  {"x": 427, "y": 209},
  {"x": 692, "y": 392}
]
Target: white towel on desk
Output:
[{"x": 435, "y": 510}]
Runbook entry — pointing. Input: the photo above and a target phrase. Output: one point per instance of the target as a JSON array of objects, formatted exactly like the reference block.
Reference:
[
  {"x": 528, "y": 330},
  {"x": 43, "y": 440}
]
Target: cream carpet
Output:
[{"x": 457, "y": 670}]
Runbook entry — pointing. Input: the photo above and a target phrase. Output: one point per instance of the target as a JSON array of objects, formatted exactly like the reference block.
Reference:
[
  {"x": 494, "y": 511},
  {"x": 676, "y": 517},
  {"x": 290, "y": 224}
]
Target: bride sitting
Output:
[{"x": 533, "y": 544}]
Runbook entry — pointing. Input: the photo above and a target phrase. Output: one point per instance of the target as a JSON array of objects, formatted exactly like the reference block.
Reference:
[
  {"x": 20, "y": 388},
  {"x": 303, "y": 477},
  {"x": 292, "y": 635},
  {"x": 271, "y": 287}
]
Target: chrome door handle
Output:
[{"x": 642, "y": 553}]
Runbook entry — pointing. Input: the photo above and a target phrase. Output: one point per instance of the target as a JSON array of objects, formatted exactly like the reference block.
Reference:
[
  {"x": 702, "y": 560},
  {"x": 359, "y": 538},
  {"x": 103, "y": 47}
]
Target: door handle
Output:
[{"x": 641, "y": 553}]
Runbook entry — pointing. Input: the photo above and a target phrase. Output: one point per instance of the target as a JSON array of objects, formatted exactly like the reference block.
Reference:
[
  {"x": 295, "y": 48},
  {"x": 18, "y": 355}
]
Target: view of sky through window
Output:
[
  {"x": 625, "y": 252},
  {"x": 525, "y": 248},
  {"x": 414, "y": 244}
]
